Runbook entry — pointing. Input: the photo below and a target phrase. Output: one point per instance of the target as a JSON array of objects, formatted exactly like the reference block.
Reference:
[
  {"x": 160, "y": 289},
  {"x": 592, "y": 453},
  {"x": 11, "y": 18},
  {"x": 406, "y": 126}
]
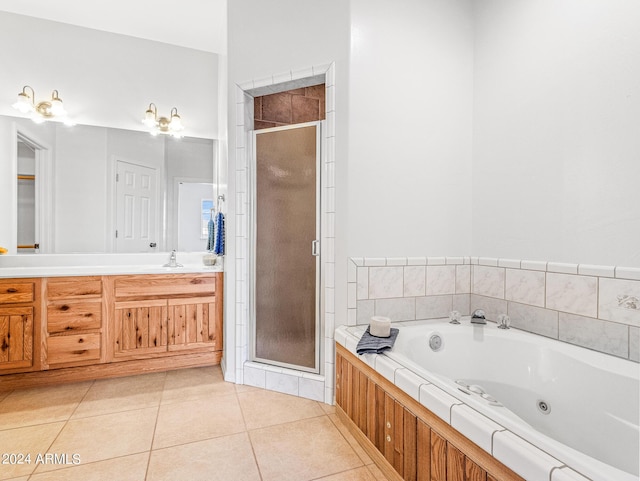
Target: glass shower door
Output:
[{"x": 286, "y": 260}]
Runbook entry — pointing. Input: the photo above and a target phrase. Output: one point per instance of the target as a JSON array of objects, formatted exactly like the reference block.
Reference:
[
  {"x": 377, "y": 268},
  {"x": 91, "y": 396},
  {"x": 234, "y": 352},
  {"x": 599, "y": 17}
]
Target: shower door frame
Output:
[{"x": 252, "y": 205}]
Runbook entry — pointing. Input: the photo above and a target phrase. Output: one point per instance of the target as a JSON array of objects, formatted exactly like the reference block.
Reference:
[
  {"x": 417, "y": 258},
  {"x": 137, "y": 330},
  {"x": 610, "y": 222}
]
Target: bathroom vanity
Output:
[{"x": 65, "y": 328}]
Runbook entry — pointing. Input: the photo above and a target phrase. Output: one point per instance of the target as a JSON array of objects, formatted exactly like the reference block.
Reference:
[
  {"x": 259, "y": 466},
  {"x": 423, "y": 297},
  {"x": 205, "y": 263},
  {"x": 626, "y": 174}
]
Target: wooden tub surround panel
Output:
[
  {"x": 406, "y": 440},
  {"x": 67, "y": 329}
]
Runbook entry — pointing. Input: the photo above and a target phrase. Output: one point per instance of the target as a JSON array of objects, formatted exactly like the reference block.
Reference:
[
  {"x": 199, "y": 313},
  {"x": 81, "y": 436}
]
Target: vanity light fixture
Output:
[
  {"x": 52, "y": 109},
  {"x": 163, "y": 125}
]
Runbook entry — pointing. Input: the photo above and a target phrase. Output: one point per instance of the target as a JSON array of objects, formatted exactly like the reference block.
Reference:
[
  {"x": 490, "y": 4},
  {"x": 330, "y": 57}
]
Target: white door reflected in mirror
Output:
[{"x": 136, "y": 208}]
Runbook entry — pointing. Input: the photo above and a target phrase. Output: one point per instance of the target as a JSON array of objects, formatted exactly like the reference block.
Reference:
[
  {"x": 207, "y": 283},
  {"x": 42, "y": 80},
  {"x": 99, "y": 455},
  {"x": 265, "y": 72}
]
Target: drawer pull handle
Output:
[
  {"x": 12, "y": 290},
  {"x": 64, "y": 308}
]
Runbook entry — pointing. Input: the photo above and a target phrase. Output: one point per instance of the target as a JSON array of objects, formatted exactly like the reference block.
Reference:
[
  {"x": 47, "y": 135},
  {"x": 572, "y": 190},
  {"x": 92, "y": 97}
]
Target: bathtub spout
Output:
[{"x": 478, "y": 317}]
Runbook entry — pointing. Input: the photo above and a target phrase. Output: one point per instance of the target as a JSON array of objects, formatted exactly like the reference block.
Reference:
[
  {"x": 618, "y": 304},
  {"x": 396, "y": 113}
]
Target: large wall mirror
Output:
[{"x": 86, "y": 189}]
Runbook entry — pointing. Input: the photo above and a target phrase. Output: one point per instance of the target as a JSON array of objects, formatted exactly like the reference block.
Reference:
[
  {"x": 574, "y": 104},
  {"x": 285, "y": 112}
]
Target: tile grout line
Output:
[
  {"x": 155, "y": 426},
  {"x": 71, "y": 415},
  {"x": 66, "y": 422},
  {"x": 341, "y": 472},
  {"x": 244, "y": 422},
  {"x": 364, "y": 463}
]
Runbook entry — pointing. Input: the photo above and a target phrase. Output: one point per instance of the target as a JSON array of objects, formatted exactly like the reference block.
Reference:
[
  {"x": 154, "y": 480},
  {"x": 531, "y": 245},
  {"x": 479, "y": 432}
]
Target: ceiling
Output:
[{"x": 197, "y": 24}]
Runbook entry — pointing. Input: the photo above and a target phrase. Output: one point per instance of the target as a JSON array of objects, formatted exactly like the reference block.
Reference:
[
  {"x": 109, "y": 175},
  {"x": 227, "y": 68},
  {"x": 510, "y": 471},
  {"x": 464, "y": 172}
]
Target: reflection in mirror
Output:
[
  {"x": 95, "y": 189},
  {"x": 26, "y": 196}
]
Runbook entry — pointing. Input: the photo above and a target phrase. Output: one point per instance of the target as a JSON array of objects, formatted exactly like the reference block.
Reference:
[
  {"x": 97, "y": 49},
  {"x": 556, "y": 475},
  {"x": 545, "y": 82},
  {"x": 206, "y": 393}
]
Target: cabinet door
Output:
[
  {"x": 390, "y": 430},
  {"x": 140, "y": 328},
  {"x": 400, "y": 438},
  {"x": 16, "y": 337},
  {"x": 193, "y": 323}
]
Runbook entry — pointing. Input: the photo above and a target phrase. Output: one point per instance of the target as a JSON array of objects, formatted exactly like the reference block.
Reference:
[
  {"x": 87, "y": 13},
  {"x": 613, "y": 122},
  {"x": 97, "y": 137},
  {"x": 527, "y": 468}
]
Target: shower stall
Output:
[{"x": 285, "y": 261}]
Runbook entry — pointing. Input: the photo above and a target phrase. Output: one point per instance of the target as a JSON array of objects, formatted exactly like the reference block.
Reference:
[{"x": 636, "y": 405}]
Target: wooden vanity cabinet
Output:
[
  {"x": 74, "y": 321},
  {"x": 166, "y": 314},
  {"x": 19, "y": 339},
  {"x": 66, "y": 329}
]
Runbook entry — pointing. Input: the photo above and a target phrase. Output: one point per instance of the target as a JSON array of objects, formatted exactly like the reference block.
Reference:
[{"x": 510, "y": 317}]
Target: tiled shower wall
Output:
[
  {"x": 597, "y": 307},
  {"x": 296, "y": 106},
  {"x": 313, "y": 386}
]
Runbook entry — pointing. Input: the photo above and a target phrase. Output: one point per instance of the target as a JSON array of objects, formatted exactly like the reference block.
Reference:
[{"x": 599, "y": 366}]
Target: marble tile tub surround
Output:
[{"x": 597, "y": 307}]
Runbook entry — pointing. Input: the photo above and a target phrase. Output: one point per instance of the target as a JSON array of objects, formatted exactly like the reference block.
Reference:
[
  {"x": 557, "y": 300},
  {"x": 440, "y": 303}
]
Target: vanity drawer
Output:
[
  {"x": 168, "y": 285},
  {"x": 73, "y": 287},
  {"x": 13, "y": 292},
  {"x": 74, "y": 315},
  {"x": 73, "y": 348}
]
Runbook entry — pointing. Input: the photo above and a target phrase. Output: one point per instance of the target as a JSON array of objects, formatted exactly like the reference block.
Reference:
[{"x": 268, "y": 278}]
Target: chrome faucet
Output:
[
  {"x": 172, "y": 260},
  {"x": 478, "y": 317},
  {"x": 504, "y": 321}
]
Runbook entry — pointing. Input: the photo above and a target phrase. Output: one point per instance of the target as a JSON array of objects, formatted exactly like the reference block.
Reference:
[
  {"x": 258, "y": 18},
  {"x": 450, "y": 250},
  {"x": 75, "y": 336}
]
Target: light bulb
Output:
[
  {"x": 24, "y": 103},
  {"x": 56, "y": 107},
  {"x": 149, "y": 118},
  {"x": 176, "y": 123}
]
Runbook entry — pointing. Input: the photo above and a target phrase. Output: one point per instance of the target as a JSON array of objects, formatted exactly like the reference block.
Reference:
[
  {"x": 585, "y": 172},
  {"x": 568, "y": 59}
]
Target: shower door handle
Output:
[{"x": 315, "y": 248}]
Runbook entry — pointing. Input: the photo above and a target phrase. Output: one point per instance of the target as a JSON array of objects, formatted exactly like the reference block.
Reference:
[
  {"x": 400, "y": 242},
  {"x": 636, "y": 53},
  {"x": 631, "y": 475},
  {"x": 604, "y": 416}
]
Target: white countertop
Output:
[
  {"x": 54, "y": 265},
  {"x": 12, "y": 272}
]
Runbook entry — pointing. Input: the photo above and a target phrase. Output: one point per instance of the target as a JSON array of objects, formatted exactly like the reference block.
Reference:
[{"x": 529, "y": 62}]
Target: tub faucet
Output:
[
  {"x": 478, "y": 317},
  {"x": 172, "y": 260},
  {"x": 504, "y": 321}
]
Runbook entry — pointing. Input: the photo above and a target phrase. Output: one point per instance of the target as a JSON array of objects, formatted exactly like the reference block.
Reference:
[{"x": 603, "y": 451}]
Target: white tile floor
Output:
[{"x": 180, "y": 425}]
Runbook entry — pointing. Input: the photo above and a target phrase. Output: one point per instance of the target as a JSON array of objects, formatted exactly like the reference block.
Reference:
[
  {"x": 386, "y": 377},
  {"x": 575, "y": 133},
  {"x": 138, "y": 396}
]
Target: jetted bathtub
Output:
[{"x": 580, "y": 406}]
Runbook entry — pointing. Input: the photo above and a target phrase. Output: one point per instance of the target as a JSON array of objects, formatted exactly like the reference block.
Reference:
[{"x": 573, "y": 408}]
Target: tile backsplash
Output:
[{"x": 597, "y": 307}]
